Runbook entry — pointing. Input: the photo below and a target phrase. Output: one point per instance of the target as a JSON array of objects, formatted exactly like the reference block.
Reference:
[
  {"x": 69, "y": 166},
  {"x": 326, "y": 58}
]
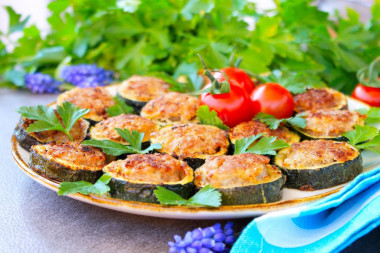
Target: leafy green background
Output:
[{"x": 154, "y": 36}]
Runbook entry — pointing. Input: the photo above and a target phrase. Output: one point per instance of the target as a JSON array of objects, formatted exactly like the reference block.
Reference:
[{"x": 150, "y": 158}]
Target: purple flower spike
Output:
[
  {"x": 206, "y": 240},
  {"x": 41, "y": 83},
  {"x": 86, "y": 75}
]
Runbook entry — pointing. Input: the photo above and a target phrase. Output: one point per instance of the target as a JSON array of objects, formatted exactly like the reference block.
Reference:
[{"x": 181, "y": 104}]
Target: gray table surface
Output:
[{"x": 35, "y": 219}]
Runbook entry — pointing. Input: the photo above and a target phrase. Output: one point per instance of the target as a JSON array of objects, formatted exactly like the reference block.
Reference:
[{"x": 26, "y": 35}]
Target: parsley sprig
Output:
[
  {"x": 365, "y": 137},
  {"x": 267, "y": 145},
  {"x": 46, "y": 118},
  {"x": 119, "y": 108},
  {"x": 274, "y": 123},
  {"x": 373, "y": 114},
  {"x": 208, "y": 117},
  {"x": 207, "y": 196},
  {"x": 134, "y": 138},
  {"x": 100, "y": 187}
]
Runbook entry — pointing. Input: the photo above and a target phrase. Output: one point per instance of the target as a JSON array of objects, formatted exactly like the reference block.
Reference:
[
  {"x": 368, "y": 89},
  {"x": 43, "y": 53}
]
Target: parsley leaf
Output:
[
  {"x": 46, "y": 118},
  {"x": 134, "y": 138},
  {"x": 208, "y": 117},
  {"x": 207, "y": 196},
  {"x": 373, "y": 114},
  {"x": 267, "y": 145},
  {"x": 274, "y": 123},
  {"x": 361, "y": 134},
  {"x": 100, "y": 187},
  {"x": 119, "y": 108}
]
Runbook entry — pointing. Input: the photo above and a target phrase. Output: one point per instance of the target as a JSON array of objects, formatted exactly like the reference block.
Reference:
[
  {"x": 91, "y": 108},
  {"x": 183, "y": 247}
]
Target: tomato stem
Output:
[{"x": 369, "y": 76}]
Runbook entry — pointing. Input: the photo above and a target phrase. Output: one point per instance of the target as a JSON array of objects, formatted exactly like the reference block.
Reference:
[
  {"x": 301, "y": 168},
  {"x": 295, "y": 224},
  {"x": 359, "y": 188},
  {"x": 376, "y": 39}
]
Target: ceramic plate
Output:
[{"x": 291, "y": 197}]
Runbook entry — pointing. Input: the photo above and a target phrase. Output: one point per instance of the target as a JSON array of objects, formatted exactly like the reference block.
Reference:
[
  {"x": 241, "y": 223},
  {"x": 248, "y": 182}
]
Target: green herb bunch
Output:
[{"x": 163, "y": 38}]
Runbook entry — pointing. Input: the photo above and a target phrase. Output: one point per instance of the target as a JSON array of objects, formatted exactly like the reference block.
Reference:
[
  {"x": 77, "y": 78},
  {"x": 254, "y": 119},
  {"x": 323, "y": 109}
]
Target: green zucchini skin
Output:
[
  {"x": 136, "y": 105},
  {"x": 23, "y": 138},
  {"x": 253, "y": 194},
  {"x": 325, "y": 177},
  {"x": 53, "y": 170},
  {"x": 194, "y": 163},
  {"x": 125, "y": 190},
  {"x": 305, "y": 136}
]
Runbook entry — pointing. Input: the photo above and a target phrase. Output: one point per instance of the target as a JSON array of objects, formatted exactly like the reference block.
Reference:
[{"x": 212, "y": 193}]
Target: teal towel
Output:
[{"x": 328, "y": 225}]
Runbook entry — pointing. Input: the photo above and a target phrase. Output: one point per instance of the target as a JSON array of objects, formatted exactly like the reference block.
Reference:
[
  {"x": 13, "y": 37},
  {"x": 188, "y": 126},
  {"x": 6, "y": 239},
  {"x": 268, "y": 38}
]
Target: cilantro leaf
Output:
[
  {"x": 361, "y": 134},
  {"x": 134, "y": 138},
  {"x": 100, "y": 187},
  {"x": 119, "y": 108},
  {"x": 207, "y": 196},
  {"x": 267, "y": 145},
  {"x": 208, "y": 117},
  {"x": 373, "y": 114},
  {"x": 274, "y": 123},
  {"x": 46, "y": 118},
  {"x": 111, "y": 147},
  {"x": 242, "y": 145}
]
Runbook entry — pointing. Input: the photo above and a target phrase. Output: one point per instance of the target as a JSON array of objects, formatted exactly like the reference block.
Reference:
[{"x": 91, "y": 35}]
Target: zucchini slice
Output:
[
  {"x": 192, "y": 143},
  {"x": 314, "y": 99},
  {"x": 329, "y": 124},
  {"x": 138, "y": 90},
  {"x": 105, "y": 130},
  {"x": 27, "y": 140},
  {"x": 242, "y": 179},
  {"x": 136, "y": 177},
  {"x": 172, "y": 108},
  {"x": 96, "y": 99},
  {"x": 255, "y": 127},
  {"x": 319, "y": 164},
  {"x": 67, "y": 162}
]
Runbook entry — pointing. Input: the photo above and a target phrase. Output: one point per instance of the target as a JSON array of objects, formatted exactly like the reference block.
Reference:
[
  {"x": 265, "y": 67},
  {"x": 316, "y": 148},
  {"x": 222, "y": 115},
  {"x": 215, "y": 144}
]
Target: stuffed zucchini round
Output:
[
  {"x": 330, "y": 124},
  {"x": 172, "y": 108},
  {"x": 255, "y": 127},
  {"x": 136, "y": 177},
  {"x": 27, "y": 140},
  {"x": 192, "y": 143},
  {"x": 314, "y": 99},
  {"x": 241, "y": 179},
  {"x": 138, "y": 90},
  {"x": 105, "y": 130},
  {"x": 67, "y": 162},
  {"x": 319, "y": 164},
  {"x": 96, "y": 99}
]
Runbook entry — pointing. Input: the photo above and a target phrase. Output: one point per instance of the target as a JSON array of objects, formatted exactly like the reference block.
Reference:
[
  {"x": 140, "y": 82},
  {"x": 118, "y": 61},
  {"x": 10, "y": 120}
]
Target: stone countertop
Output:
[{"x": 35, "y": 219}]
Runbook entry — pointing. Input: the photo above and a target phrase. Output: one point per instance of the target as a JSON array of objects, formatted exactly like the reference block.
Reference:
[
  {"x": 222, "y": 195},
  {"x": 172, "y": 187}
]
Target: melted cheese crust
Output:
[
  {"x": 78, "y": 132},
  {"x": 314, "y": 99},
  {"x": 331, "y": 123},
  {"x": 235, "y": 171},
  {"x": 149, "y": 168},
  {"x": 255, "y": 127},
  {"x": 96, "y": 99},
  {"x": 105, "y": 130},
  {"x": 191, "y": 140},
  {"x": 172, "y": 107},
  {"x": 316, "y": 153},
  {"x": 143, "y": 88},
  {"x": 74, "y": 155}
]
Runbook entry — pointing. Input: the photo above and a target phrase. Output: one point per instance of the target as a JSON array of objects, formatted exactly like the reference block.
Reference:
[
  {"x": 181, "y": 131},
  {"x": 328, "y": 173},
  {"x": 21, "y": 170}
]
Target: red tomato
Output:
[
  {"x": 369, "y": 95},
  {"x": 274, "y": 99},
  {"x": 233, "y": 107},
  {"x": 242, "y": 78}
]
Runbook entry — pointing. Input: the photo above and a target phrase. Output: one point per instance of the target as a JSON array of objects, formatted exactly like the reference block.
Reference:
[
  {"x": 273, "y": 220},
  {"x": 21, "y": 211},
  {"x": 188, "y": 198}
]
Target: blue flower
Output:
[
  {"x": 86, "y": 75},
  {"x": 41, "y": 83},
  {"x": 207, "y": 240}
]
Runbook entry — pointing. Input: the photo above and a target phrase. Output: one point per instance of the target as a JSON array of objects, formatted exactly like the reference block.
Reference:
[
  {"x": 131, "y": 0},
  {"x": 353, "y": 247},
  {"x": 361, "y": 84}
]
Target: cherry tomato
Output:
[
  {"x": 369, "y": 95},
  {"x": 240, "y": 76},
  {"x": 274, "y": 99},
  {"x": 233, "y": 107}
]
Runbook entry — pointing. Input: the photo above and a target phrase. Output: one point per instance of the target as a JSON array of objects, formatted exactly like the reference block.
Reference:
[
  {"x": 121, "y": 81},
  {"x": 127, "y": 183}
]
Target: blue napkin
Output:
[{"x": 328, "y": 225}]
